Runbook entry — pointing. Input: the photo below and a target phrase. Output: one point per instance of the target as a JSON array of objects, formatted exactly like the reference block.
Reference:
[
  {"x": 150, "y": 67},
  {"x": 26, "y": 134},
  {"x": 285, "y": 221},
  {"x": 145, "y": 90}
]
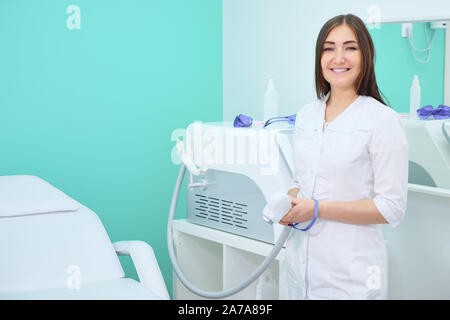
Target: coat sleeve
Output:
[{"x": 389, "y": 156}]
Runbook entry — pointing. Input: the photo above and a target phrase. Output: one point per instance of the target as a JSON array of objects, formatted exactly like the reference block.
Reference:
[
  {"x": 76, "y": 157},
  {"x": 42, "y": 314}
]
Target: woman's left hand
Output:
[{"x": 302, "y": 210}]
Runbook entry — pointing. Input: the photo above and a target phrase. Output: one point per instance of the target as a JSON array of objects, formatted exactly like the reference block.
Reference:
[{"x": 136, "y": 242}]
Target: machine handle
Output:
[
  {"x": 186, "y": 158},
  {"x": 203, "y": 184}
]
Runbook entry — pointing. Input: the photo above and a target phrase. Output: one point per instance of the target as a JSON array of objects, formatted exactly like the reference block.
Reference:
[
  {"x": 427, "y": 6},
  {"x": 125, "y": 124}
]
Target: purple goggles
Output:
[
  {"x": 242, "y": 121},
  {"x": 441, "y": 112}
]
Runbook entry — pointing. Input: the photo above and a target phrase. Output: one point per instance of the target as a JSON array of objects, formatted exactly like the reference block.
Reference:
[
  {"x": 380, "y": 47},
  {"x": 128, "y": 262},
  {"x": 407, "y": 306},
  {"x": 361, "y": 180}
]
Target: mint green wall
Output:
[
  {"x": 92, "y": 110},
  {"x": 395, "y": 65}
]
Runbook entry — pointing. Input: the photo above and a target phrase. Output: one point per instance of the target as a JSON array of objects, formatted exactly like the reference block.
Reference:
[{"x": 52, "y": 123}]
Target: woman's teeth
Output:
[{"x": 341, "y": 70}]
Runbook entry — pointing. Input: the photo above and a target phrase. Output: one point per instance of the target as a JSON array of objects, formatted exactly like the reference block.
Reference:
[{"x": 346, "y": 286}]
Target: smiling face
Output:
[{"x": 341, "y": 58}]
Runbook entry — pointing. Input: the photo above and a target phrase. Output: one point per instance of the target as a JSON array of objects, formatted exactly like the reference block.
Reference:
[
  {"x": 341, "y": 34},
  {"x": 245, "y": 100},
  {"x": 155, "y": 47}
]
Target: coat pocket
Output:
[{"x": 347, "y": 147}]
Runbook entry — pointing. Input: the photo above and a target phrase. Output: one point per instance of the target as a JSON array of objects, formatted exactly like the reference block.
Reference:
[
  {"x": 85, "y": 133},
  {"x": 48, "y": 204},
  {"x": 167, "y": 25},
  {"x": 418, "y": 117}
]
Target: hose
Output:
[{"x": 219, "y": 294}]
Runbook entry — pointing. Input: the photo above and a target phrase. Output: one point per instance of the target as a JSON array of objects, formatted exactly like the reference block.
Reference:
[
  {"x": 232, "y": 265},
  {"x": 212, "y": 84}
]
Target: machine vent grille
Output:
[{"x": 221, "y": 211}]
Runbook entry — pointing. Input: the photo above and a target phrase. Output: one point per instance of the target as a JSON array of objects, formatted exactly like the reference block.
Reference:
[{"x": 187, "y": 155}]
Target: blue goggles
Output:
[
  {"x": 242, "y": 121},
  {"x": 290, "y": 119},
  {"x": 441, "y": 112}
]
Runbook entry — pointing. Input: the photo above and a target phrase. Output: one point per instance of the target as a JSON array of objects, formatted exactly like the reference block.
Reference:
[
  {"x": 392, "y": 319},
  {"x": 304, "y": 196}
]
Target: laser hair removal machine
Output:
[{"x": 233, "y": 172}]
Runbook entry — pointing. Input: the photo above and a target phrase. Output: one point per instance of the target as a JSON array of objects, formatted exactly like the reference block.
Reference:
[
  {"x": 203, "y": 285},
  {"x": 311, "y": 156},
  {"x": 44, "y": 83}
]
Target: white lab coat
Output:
[{"x": 361, "y": 154}]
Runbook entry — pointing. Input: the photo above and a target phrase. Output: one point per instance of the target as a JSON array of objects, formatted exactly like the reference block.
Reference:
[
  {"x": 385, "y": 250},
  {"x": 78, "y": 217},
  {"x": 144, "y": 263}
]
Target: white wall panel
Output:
[{"x": 265, "y": 39}]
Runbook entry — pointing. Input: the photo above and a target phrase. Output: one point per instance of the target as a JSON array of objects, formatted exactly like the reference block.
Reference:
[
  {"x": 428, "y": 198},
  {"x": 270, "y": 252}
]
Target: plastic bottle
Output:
[
  {"x": 270, "y": 101},
  {"x": 414, "y": 98}
]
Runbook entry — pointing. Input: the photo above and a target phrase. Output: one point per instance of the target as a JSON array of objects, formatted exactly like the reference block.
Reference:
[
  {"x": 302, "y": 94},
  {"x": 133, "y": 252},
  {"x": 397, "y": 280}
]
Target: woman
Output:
[{"x": 351, "y": 154}]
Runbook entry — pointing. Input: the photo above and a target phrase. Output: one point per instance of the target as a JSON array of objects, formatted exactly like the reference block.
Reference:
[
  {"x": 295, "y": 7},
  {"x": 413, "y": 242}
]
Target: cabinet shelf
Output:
[{"x": 215, "y": 260}]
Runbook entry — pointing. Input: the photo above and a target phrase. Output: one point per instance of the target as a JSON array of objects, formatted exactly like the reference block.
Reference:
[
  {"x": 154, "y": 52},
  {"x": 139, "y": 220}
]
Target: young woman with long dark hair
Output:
[{"x": 350, "y": 154}]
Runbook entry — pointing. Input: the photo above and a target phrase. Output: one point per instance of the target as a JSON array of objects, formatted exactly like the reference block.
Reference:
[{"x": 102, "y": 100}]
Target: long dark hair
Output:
[{"x": 366, "y": 82}]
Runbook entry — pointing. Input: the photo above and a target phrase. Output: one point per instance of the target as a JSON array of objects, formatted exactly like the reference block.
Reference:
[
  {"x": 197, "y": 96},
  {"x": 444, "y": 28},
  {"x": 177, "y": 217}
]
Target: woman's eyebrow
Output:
[{"x": 346, "y": 42}]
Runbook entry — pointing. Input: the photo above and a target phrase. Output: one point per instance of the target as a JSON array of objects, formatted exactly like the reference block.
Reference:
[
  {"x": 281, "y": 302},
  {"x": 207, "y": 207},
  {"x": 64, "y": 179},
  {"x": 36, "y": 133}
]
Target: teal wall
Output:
[
  {"x": 92, "y": 110},
  {"x": 395, "y": 65}
]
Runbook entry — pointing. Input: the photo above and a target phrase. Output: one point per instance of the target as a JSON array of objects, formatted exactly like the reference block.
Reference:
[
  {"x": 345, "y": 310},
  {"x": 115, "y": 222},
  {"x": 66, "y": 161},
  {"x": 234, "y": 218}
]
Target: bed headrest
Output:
[{"x": 26, "y": 195}]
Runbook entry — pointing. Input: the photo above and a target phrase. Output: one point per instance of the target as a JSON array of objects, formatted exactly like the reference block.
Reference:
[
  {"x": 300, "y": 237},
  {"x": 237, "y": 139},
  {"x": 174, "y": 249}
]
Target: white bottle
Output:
[
  {"x": 414, "y": 98},
  {"x": 270, "y": 101}
]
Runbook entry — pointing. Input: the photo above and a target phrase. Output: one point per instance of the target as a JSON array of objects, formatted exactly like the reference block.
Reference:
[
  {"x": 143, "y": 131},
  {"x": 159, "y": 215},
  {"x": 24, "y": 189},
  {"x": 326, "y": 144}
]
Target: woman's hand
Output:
[{"x": 302, "y": 210}]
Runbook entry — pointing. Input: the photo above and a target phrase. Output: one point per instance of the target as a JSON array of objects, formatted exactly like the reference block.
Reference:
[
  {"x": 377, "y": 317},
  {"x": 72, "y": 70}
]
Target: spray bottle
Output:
[
  {"x": 414, "y": 99},
  {"x": 270, "y": 101}
]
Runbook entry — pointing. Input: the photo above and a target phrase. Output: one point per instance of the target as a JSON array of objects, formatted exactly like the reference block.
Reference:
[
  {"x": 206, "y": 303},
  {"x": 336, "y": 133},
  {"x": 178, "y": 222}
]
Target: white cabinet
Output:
[{"x": 214, "y": 260}]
